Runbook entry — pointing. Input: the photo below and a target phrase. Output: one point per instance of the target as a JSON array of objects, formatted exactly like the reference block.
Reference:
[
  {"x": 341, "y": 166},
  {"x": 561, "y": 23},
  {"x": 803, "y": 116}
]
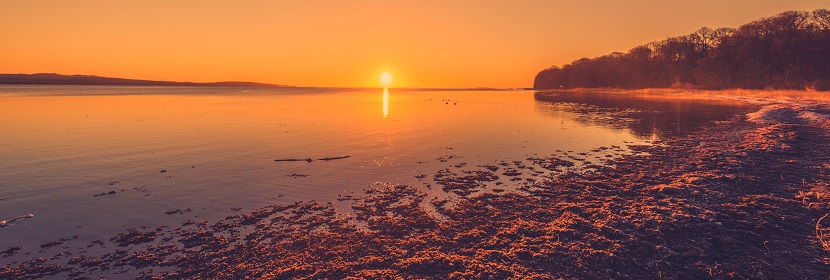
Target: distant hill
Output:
[
  {"x": 58, "y": 79},
  {"x": 790, "y": 50}
]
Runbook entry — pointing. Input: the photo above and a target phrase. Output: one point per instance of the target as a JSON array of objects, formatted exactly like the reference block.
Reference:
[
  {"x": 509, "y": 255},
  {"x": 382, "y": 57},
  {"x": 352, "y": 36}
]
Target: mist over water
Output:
[{"x": 92, "y": 161}]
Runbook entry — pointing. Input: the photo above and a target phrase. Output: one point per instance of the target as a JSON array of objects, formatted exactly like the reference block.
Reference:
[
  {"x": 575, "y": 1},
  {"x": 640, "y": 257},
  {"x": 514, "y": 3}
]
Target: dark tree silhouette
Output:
[{"x": 788, "y": 51}]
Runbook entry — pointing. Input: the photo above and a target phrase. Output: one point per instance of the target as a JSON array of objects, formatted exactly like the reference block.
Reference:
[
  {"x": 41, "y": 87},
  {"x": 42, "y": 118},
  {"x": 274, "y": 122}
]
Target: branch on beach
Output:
[
  {"x": 823, "y": 234},
  {"x": 310, "y": 160},
  {"x": 5, "y": 223}
]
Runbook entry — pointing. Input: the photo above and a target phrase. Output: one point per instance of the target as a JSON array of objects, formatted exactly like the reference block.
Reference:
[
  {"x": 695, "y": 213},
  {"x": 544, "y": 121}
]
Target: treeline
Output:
[{"x": 788, "y": 51}]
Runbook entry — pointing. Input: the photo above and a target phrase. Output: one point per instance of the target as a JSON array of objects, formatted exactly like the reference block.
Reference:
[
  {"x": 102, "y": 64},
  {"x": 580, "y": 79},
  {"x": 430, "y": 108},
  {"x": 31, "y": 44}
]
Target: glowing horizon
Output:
[{"x": 423, "y": 44}]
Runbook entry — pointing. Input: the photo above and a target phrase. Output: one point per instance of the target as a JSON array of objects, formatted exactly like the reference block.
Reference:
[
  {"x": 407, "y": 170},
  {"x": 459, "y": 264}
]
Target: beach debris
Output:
[
  {"x": 310, "y": 160},
  {"x": 519, "y": 164},
  {"x": 163, "y": 171},
  {"x": 52, "y": 243},
  {"x": 143, "y": 189},
  {"x": 97, "y": 242},
  {"x": 178, "y": 211},
  {"x": 550, "y": 163},
  {"x": 295, "y": 159},
  {"x": 511, "y": 172},
  {"x": 463, "y": 185},
  {"x": 822, "y": 234},
  {"x": 5, "y": 223},
  {"x": 133, "y": 237},
  {"x": 447, "y": 158},
  {"x": 333, "y": 158},
  {"x": 489, "y": 167},
  {"x": 295, "y": 175},
  {"x": 10, "y": 252},
  {"x": 104, "y": 193}
]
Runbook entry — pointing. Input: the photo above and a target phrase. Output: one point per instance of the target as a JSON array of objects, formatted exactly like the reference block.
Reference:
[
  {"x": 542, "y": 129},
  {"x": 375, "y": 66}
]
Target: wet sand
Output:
[{"x": 741, "y": 198}]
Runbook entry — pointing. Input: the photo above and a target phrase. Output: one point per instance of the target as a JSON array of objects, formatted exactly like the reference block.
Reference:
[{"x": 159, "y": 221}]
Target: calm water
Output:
[{"x": 61, "y": 147}]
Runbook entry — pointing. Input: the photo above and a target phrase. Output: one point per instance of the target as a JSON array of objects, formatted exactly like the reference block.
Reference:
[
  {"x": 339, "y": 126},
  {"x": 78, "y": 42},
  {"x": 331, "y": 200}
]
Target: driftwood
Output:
[
  {"x": 310, "y": 160},
  {"x": 295, "y": 159},
  {"x": 333, "y": 158},
  {"x": 5, "y": 223}
]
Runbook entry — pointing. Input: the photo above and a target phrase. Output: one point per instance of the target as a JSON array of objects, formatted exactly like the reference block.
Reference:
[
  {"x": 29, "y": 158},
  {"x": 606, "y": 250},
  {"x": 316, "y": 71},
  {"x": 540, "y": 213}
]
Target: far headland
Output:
[{"x": 59, "y": 79}]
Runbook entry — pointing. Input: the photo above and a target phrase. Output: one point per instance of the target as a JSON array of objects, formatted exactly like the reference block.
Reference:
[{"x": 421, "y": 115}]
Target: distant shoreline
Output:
[
  {"x": 90, "y": 80},
  {"x": 802, "y": 95},
  {"x": 53, "y": 79}
]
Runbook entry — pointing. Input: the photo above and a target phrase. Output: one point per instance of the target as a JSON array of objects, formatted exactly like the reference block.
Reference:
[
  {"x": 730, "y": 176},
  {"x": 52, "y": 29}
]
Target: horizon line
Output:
[{"x": 226, "y": 83}]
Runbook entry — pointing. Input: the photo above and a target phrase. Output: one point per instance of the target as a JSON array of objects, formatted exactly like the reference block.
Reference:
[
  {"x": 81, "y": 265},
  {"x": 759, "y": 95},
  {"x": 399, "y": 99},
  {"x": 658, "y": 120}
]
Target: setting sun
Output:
[
  {"x": 415, "y": 139},
  {"x": 385, "y": 78}
]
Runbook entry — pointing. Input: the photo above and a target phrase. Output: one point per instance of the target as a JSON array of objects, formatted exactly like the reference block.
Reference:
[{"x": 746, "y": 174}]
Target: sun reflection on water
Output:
[{"x": 385, "y": 102}]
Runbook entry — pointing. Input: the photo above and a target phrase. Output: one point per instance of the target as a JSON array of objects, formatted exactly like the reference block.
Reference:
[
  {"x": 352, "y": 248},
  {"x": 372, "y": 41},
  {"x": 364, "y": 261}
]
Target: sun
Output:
[{"x": 385, "y": 78}]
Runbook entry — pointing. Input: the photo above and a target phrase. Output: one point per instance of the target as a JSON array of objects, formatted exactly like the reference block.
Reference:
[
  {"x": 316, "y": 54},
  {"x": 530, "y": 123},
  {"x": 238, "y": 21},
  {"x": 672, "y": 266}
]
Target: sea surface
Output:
[{"x": 88, "y": 162}]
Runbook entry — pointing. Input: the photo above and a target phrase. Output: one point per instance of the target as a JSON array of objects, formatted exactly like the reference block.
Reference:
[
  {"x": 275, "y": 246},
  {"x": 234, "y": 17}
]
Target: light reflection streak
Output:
[{"x": 385, "y": 102}]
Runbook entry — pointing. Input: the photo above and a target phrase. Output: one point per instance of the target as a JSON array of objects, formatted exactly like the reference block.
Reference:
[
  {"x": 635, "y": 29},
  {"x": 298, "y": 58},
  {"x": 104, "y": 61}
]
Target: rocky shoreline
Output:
[{"x": 742, "y": 198}]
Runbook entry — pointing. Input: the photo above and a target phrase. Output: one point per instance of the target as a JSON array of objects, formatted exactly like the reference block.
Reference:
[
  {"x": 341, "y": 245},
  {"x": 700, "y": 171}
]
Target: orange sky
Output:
[{"x": 346, "y": 43}]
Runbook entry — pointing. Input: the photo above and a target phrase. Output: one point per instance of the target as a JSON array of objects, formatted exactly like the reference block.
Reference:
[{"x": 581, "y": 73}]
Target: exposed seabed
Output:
[{"x": 741, "y": 198}]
